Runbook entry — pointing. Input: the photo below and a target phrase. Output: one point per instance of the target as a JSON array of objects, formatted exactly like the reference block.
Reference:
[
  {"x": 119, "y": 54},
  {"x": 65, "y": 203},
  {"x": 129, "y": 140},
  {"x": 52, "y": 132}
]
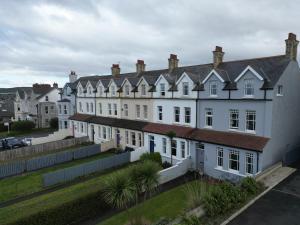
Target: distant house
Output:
[{"x": 37, "y": 103}]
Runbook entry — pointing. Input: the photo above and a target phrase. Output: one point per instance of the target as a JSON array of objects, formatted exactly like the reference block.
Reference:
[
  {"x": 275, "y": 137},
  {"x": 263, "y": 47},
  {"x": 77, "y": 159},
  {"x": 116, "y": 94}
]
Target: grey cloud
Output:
[{"x": 43, "y": 40}]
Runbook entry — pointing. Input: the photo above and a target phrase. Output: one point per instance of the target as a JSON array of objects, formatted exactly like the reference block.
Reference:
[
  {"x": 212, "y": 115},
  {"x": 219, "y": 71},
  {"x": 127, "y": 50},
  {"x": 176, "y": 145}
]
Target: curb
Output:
[{"x": 251, "y": 202}]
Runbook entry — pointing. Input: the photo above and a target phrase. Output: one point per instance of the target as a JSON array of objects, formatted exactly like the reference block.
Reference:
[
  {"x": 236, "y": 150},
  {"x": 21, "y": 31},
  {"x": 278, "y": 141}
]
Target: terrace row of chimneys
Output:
[{"x": 218, "y": 54}]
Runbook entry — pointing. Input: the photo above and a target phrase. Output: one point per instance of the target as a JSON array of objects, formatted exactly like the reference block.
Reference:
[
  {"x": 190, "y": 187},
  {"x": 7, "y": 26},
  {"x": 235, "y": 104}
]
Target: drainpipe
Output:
[{"x": 257, "y": 162}]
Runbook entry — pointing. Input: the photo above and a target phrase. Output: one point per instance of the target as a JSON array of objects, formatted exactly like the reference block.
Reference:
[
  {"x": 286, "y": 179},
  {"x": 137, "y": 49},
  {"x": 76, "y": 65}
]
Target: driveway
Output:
[{"x": 280, "y": 206}]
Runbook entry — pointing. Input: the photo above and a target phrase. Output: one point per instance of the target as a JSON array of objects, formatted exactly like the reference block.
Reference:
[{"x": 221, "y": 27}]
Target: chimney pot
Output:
[
  {"x": 291, "y": 46},
  {"x": 173, "y": 62},
  {"x": 72, "y": 76},
  {"x": 218, "y": 56},
  {"x": 140, "y": 66},
  {"x": 115, "y": 70}
]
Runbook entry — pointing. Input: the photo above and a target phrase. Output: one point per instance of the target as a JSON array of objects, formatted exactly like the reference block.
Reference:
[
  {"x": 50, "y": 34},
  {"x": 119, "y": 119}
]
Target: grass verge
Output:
[{"x": 28, "y": 183}]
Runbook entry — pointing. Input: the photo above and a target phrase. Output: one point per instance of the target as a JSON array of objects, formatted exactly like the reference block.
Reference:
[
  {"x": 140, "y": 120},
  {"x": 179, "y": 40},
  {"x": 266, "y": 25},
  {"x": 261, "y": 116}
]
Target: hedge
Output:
[
  {"x": 74, "y": 212},
  {"x": 155, "y": 157},
  {"x": 23, "y": 126}
]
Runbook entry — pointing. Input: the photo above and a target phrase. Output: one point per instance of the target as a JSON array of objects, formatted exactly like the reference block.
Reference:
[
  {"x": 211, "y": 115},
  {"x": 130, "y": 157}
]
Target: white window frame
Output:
[
  {"x": 100, "y": 108},
  {"x": 92, "y": 107},
  {"x": 249, "y": 88},
  {"x": 125, "y": 110},
  {"x": 220, "y": 157},
  {"x": 174, "y": 146},
  {"x": 99, "y": 131},
  {"x": 109, "y": 109},
  {"x": 115, "y": 109},
  {"x": 133, "y": 138},
  {"x": 80, "y": 107},
  {"x": 87, "y": 107},
  {"x": 138, "y": 111},
  {"x": 162, "y": 89},
  {"x": 113, "y": 90},
  {"x": 164, "y": 145},
  {"x": 104, "y": 134},
  {"x": 59, "y": 109},
  {"x": 127, "y": 90},
  {"x": 213, "y": 88},
  {"x": 231, "y": 160},
  {"x": 187, "y": 116},
  {"x": 143, "y": 89},
  {"x": 160, "y": 113},
  {"x": 248, "y": 121},
  {"x": 208, "y": 115},
  {"x": 182, "y": 148},
  {"x": 145, "y": 111},
  {"x": 234, "y": 118},
  {"x": 65, "y": 109},
  {"x": 100, "y": 89},
  {"x": 140, "y": 139},
  {"x": 176, "y": 114},
  {"x": 185, "y": 88},
  {"x": 251, "y": 163},
  {"x": 127, "y": 137}
]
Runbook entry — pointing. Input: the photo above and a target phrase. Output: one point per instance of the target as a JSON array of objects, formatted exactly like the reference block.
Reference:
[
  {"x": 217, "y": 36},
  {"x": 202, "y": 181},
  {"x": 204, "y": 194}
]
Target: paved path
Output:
[{"x": 280, "y": 206}]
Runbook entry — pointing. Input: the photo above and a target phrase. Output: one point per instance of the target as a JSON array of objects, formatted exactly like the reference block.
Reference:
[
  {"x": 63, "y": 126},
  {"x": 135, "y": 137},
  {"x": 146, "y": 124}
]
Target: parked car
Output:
[{"x": 10, "y": 143}]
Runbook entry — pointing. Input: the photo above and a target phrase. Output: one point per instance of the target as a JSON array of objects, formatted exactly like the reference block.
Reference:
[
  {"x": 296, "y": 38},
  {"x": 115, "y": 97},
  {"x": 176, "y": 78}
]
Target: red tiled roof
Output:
[
  {"x": 80, "y": 117},
  {"x": 231, "y": 139}
]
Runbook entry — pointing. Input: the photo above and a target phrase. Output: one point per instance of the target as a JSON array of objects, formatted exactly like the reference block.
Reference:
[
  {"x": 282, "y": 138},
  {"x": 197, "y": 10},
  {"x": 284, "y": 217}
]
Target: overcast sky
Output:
[{"x": 41, "y": 41}]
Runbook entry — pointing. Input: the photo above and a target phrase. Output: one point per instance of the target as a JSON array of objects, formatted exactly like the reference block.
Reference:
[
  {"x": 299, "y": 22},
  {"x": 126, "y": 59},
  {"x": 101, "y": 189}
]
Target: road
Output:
[{"x": 280, "y": 206}]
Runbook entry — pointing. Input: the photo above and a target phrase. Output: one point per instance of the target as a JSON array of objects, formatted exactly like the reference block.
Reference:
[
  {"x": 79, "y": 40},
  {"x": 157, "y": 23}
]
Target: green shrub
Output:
[
  {"x": 223, "y": 198},
  {"x": 25, "y": 126},
  {"x": 250, "y": 186},
  {"x": 190, "y": 220},
  {"x": 155, "y": 157},
  {"x": 54, "y": 123},
  {"x": 76, "y": 211}
]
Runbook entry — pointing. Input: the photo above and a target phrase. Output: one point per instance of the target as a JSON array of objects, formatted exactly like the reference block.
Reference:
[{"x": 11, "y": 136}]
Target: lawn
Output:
[
  {"x": 169, "y": 204},
  {"x": 31, "y": 182},
  {"x": 25, "y": 208}
]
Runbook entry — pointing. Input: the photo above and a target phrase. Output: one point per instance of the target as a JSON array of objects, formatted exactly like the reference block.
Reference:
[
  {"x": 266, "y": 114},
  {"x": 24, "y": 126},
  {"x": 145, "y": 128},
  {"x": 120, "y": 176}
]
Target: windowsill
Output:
[
  {"x": 208, "y": 127},
  {"x": 213, "y": 96},
  {"x": 279, "y": 95},
  {"x": 250, "y": 131},
  {"x": 248, "y": 96}
]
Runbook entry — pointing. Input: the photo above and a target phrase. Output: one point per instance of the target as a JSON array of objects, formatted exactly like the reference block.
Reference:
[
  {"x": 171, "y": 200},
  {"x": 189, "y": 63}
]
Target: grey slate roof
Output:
[{"x": 270, "y": 68}]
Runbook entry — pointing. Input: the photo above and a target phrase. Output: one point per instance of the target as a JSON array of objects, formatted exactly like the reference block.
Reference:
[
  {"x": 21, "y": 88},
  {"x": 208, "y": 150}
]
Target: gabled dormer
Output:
[
  {"x": 213, "y": 85},
  {"x": 112, "y": 89},
  {"x": 185, "y": 86},
  {"x": 163, "y": 84},
  {"x": 126, "y": 88},
  {"x": 143, "y": 88},
  {"x": 90, "y": 90},
  {"x": 248, "y": 84},
  {"x": 100, "y": 89},
  {"x": 80, "y": 90}
]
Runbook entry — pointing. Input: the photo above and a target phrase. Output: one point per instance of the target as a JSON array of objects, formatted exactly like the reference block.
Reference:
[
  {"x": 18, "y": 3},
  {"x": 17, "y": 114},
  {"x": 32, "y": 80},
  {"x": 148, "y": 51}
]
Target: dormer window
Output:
[
  {"x": 185, "y": 88},
  {"x": 143, "y": 89},
  {"x": 80, "y": 90},
  {"x": 90, "y": 90},
  {"x": 213, "y": 88},
  {"x": 100, "y": 90},
  {"x": 279, "y": 90},
  {"x": 249, "y": 88},
  {"x": 47, "y": 98},
  {"x": 113, "y": 90},
  {"x": 127, "y": 90},
  {"x": 162, "y": 89}
]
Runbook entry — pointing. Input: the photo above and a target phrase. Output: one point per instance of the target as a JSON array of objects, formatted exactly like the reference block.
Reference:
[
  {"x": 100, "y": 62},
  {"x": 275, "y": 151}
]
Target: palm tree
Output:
[
  {"x": 171, "y": 134},
  {"x": 118, "y": 191}
]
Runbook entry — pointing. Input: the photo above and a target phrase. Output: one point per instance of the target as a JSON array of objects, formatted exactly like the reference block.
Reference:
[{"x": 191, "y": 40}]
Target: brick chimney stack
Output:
[
  {"x": 291, "y": 46},
  {"x": 173, "y": 62},
  {"x": 115, "y": 70},
  {"x": 140, "y": 66},
  {"x": 218, "y": 56},
  {"x": 72, "y": 76}
]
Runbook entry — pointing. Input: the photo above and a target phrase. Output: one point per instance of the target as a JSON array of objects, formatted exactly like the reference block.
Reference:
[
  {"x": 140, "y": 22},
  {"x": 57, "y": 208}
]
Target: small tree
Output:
[
  {"x": 54, "y": 123},
  {"x": 171, "y": 134}
]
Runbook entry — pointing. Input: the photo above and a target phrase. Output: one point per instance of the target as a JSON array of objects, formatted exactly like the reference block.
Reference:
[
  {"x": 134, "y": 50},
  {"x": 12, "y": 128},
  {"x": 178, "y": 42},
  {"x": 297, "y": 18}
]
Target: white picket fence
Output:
[{"x": 171, "y": 173}]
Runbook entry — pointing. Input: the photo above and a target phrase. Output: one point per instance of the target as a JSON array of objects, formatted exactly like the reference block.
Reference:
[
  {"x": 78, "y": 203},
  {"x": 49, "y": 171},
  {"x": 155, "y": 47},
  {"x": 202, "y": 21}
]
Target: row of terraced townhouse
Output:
[{"x": 232, "y": 119}]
